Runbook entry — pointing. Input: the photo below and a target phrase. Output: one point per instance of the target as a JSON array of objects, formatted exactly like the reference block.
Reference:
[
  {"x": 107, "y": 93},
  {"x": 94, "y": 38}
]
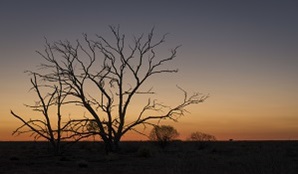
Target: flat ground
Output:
[{"x": 245, "y": 157}]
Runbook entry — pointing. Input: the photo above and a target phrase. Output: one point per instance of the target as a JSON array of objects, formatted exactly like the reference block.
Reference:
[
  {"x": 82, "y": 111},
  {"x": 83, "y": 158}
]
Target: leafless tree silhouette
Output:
[
  {"x": 43, "y": 127},
  {"x": 103, "y": 77}
]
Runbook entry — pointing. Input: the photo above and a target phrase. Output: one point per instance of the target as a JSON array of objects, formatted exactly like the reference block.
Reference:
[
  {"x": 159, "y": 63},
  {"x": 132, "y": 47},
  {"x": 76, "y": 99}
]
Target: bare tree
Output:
[
  {"x": 43, "y": 127},
  {"x": 103, "y": 77},
  {"x": 163, "y": 134}
]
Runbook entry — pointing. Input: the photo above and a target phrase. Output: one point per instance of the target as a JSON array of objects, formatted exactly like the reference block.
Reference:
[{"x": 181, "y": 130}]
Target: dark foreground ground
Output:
[{"x": 237, "y": 157}]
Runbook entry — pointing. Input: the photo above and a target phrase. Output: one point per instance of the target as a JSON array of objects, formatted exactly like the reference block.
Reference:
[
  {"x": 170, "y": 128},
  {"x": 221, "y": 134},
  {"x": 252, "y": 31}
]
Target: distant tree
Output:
[
  {"x": 200, "y": 136},
  {"x": 163, "y": 134},
  {"x": 201, "y": 139},
  {"x": 115, "y": 71}
]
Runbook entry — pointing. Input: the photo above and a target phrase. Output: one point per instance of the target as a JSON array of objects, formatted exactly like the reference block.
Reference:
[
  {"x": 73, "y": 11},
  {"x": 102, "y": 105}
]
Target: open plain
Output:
[{"x": 219, "y": 157}]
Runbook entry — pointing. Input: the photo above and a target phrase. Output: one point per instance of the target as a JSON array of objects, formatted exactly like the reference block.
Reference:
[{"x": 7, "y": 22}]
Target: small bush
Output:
[
  {"x": 202, "y": 139},
  {"x": 163, "y": 135},
  {"x": 200, "y": 136}
]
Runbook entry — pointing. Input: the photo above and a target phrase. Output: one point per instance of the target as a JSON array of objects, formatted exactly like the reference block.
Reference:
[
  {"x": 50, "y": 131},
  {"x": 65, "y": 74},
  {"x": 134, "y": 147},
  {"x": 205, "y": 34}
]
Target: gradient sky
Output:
[{"x": 243, "y": 53}]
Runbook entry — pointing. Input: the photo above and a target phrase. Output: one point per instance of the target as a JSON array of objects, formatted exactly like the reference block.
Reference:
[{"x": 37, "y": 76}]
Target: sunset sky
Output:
[{"x": 244, "y": 54}]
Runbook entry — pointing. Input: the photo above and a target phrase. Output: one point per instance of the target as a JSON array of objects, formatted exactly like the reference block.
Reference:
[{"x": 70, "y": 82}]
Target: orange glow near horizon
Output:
[
  {"x": 223, "y": 123},
  {"x": 257, "y": 114}
]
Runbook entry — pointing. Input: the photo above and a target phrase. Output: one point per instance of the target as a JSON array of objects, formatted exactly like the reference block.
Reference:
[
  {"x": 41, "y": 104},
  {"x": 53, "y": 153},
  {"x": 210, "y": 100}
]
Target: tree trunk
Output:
[{"x": 112, "y": 146}]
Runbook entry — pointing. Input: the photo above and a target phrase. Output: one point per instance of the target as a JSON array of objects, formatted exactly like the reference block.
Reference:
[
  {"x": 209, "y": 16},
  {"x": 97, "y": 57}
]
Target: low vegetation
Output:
[
  {"x": 245, "y": 157},
  {"x": 201, "y": 140},
  {"x": 163, "y": 135},
  {"x": 200, "y": 136}
]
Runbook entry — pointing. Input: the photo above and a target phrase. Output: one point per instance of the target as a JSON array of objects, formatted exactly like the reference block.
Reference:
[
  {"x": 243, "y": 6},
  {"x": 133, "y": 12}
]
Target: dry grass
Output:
[{"x": 274, "y": 157}]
